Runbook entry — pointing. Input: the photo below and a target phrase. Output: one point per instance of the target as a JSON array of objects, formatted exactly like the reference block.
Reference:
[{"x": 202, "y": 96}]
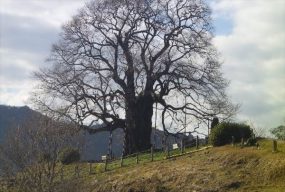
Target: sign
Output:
[{"x": 175, "y": 146}]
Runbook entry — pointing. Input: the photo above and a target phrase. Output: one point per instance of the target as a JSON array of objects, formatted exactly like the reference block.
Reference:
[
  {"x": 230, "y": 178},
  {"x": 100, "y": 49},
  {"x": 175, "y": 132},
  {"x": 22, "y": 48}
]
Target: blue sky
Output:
[
  {"x": 250, "y": 36},
  {"x": 223, "y": 26}
]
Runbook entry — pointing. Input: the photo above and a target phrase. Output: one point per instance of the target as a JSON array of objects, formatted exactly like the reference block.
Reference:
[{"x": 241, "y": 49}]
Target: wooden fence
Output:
[{"x": 150, "y": 155}]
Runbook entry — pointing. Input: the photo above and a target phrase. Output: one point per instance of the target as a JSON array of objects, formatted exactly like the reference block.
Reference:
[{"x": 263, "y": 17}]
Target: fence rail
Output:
[
  {"x": 142, "y": 157},
  {"x": 82, "y": 169},
  {"x": 150, "y": 155}
]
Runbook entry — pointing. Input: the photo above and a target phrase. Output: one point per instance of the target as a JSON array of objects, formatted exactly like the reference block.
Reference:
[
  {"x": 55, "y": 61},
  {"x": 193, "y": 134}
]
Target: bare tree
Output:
[
  {"x": 29, "y": 154},
  {"x": 116, "y": 59}
]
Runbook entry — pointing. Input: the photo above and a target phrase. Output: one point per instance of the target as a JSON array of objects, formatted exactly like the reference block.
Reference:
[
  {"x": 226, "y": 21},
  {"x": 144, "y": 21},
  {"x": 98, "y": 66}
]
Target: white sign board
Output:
[
  {"x": 175, "y": 146},
  {"x": 104, "y": 157}
]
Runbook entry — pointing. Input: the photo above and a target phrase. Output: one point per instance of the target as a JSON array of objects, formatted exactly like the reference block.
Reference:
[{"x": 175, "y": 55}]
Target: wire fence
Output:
[
  {"x": 84, "y": 169},
  {"x": 107, "y": 164}
]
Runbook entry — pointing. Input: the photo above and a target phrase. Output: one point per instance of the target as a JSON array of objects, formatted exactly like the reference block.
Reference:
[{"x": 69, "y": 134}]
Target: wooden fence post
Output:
[
  {"x": 61, "y": 173},
  {"x": 137, "y": 159},
  {"x": 233, "y": 141},
  {"x": 122, "y": 159},
  {"x": 197, "y": 142},
  {"x": 182, "y": 146},
  {"x": 106, "y": 162},
  {"x": 124, "y": 147},
  {"x": 242, "y": 142},
  {"x": 76, "y": 170},
  {"x": 151, "y": 151},
  {"x": 167, "y": 152},
  {"x": 90, "y": 168},
  {"x": 274, "y": 146}
]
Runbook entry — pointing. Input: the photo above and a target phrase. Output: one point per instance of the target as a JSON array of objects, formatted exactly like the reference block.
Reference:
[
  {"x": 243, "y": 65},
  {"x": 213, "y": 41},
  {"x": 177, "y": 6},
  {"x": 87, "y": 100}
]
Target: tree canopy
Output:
[
  {"x": 279, "y": 132},
  {"x": 116, "y": 58}
]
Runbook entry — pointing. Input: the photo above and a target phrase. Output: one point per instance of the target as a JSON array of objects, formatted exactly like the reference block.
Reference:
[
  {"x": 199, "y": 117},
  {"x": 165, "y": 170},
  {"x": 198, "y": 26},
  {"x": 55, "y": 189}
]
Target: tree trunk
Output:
[{"x": 139, "y": 125}]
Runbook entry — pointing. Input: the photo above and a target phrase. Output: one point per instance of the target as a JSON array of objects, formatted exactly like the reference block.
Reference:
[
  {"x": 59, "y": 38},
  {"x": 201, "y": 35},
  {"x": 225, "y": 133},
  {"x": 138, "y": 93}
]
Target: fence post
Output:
[
  {"x": 137, "y": 160},
  {"x": 76, "y": 170},
  {"x": 90, "y": 168},
  {"x": 233, "y": 141},
  {"x": 274, "y": 146},
  {"x": 182, "y": 146},
  {"x": 61, "y": 173},
  {"x": 242, "y": 142},
  {"x": 122, "y": 159},
  {"x": 197, "y": 142},
  {"x": 257, "y": 145},
  {"x": 167, "y": 152},
  {"x": 151, "y": 151},
  {"x": 106, "y": 162}
]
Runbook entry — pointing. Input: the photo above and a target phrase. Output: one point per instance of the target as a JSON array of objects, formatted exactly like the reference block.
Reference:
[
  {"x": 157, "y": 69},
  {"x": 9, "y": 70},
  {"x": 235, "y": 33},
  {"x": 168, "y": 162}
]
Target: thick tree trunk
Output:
[{"x": 139, "y": 125}]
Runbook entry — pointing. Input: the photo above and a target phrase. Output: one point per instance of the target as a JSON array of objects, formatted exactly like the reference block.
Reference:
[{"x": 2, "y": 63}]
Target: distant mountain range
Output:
[
  {"x": 95, "y": 146},
  {"x": 11, "y": 117}
]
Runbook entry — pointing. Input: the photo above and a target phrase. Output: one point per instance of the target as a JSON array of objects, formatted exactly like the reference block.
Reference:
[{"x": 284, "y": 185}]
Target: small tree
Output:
[
  {"x": 30, "y": 152},
  {"x": 279, "y": 132}
]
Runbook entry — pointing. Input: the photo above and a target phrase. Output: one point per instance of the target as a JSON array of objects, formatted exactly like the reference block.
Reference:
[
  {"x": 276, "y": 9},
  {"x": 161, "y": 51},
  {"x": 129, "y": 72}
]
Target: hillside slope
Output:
[
  {"x": 95, "y": 146},
  {"x": 11, "y": 117},
  {"x": 217, "y": 169}
]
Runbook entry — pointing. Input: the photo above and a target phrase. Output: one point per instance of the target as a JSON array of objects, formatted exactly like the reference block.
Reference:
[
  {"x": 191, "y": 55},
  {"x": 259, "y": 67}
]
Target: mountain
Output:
[
  {"x": 11, "y": 117},
  {"x": 95, "y": 145}
]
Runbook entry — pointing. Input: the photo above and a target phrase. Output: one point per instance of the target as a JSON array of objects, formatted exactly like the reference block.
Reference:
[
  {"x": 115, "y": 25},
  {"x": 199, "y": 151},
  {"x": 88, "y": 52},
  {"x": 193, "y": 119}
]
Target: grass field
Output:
[
  {"x": 217, "y": 169},
  {"x": 227, "y": 168}
]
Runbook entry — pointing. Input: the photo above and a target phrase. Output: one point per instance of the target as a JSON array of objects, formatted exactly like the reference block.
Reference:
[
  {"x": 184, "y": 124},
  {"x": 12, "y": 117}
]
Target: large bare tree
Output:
[{"x": 117, "y": 58}]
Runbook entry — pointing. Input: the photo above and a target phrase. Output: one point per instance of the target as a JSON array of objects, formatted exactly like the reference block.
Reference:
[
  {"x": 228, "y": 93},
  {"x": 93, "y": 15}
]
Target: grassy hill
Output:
[
  {"x": 213, "y": 170},
  {"x": 218, "y": 169}
]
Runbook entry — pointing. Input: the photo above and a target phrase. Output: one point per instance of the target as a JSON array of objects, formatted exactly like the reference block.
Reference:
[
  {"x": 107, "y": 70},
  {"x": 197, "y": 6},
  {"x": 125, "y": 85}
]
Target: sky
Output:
[{"x": 249, "y": 35}]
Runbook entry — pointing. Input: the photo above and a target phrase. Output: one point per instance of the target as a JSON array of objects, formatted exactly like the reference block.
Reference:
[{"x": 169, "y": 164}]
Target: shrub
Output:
[
  {"x": 69, "y": 155},
  {"x": 279, "y": 132},
  {"x": 222, "y": 133}
]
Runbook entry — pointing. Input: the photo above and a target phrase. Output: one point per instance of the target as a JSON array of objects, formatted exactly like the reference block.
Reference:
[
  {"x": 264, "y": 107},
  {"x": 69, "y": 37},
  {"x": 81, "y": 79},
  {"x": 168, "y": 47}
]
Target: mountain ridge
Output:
[{"x": 96, "y": 145}]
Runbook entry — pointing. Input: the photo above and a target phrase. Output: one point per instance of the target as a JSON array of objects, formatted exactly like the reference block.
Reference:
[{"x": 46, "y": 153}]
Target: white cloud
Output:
[
  {"x": 254, "y": 57},
  {"x": 16, "y": 94},
  {"x": 27, "y": 30},
  {"x": 53, "y": 12},
  {"x": 253, "y": 50}
]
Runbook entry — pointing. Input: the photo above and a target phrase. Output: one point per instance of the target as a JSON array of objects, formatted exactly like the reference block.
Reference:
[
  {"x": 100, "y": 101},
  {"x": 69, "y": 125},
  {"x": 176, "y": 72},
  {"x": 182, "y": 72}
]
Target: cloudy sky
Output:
[{"x": 250, "y": 35}]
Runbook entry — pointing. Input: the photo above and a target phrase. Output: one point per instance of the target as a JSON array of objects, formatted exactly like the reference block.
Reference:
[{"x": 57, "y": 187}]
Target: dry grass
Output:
[{"x": 218, "y": 169}]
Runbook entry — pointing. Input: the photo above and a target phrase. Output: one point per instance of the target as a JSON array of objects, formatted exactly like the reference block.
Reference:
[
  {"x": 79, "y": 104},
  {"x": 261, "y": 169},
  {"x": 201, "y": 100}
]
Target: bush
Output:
[
  {"x": 69, "y": 155},
  {"x": 222, "y": 133},
  {"x": 279, "y": 132}
]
